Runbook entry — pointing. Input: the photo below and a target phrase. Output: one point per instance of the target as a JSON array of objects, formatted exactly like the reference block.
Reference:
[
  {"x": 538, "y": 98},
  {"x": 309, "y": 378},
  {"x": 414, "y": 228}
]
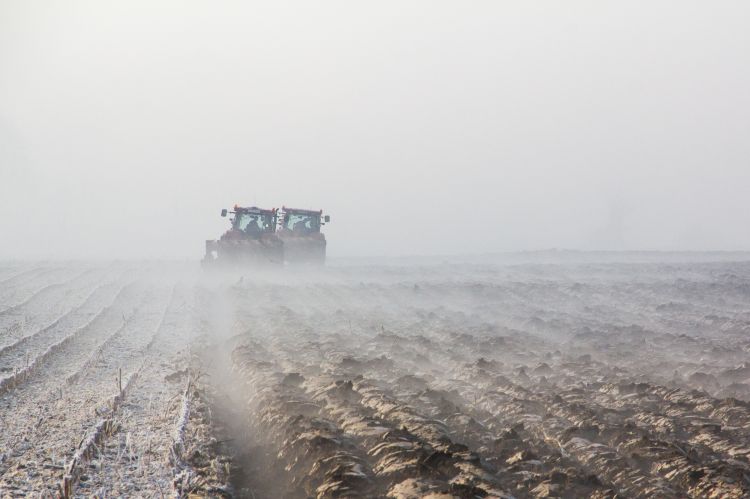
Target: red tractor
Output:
[
  {"x": 300, "y": 232},
  {"x": 251, "y": 239}
]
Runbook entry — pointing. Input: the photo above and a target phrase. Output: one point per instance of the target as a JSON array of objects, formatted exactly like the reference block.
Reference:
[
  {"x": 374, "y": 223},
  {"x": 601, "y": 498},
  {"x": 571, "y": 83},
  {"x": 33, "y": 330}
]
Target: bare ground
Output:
[{"x": 577, "y": 379}]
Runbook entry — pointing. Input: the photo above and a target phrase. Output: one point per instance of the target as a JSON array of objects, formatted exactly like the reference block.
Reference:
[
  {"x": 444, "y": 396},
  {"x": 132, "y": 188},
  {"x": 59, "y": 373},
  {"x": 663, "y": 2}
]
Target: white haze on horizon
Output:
[{"x": 421, "y": 127}]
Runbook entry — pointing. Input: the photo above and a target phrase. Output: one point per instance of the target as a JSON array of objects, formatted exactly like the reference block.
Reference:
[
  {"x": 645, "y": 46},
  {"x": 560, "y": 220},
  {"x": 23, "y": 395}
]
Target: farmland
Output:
[{"x": 582, "y": 378}]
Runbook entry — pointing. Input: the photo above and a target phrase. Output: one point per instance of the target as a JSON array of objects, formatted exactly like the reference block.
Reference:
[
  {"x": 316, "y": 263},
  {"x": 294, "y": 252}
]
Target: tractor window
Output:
[
  {"x": 249, "y": 222},
  {"x": 299, "y": 222},
  {"x": 255, "y": 222}
]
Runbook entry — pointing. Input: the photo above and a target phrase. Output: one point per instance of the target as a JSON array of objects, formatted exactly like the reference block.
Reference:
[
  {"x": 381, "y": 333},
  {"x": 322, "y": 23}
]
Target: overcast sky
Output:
[{"x": 421, "y": 127}]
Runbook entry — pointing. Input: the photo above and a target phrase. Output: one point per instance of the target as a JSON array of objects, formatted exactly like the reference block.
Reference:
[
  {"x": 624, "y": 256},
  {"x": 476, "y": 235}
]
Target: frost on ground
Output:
[{"x": 390, "y": 379}]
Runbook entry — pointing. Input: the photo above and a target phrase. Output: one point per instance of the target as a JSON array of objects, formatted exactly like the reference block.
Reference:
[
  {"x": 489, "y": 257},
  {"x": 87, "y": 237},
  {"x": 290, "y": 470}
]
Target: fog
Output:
[{"x": 422, "y": 128}]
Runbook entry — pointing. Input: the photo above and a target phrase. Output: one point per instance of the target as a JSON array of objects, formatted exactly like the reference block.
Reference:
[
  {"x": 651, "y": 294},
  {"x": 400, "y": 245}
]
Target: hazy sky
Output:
[{"x": 421, "y": 127}]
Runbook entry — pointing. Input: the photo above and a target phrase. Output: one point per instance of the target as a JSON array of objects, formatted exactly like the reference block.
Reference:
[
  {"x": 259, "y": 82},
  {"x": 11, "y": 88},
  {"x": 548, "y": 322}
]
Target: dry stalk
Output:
[{"x": 89, "y": 445}]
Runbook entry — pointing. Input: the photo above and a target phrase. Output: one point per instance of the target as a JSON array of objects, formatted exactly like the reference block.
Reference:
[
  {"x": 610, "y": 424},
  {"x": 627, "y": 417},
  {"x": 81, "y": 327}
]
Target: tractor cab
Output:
[{"x": 296, "y": 222}]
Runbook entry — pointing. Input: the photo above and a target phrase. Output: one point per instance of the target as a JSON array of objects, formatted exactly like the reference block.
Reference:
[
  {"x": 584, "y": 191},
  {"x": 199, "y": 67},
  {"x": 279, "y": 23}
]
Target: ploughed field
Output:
[{"x": 392, "y": 379}]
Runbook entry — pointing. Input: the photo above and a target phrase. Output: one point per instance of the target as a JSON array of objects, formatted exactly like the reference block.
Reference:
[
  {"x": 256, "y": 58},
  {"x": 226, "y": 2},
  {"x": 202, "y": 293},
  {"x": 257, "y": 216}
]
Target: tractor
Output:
[
  {"x": 299, "y": 230},
  {"x": 251, "y": 239}
]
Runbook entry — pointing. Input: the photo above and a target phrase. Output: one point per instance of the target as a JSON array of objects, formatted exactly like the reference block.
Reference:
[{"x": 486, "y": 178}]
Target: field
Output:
[{"x": 567, "y": 377}]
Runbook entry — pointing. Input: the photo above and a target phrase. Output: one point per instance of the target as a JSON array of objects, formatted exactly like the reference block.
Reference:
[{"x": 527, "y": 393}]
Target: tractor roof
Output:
[
  {"x": 305, "y": 212},
  {"x": 252, "y": 209}
]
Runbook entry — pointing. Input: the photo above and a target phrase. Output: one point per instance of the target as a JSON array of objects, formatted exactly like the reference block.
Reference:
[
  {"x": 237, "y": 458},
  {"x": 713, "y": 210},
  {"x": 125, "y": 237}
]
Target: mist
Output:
[{"x": 422, "y": 128}]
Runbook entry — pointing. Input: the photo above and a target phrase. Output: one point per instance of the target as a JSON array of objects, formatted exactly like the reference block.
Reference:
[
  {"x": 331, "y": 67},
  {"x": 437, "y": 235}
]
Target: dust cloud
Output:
[{"x": 423, "y": 128}]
